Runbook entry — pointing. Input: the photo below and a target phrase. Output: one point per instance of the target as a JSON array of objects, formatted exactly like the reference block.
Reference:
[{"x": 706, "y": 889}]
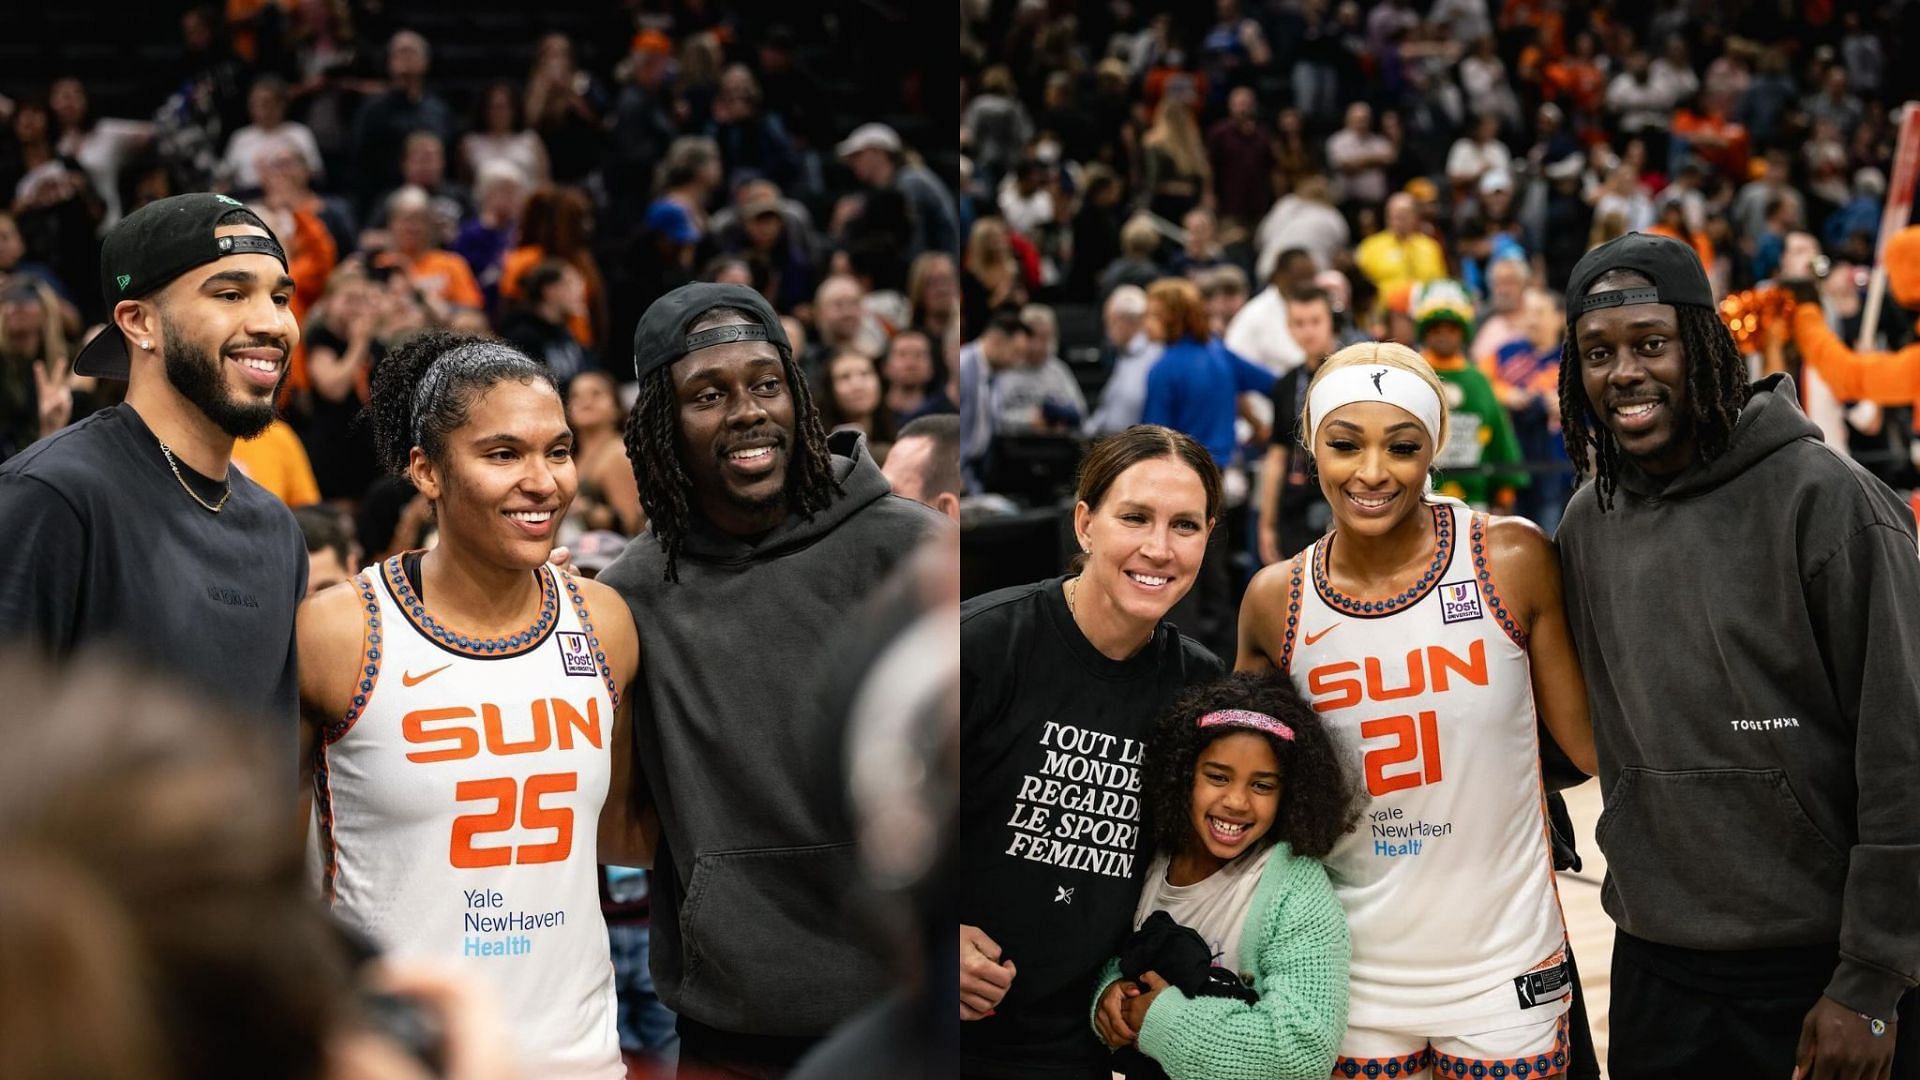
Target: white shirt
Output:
[
  {"x": 103, "y": 151},
  {"x": 250, "y": 142},
  {"x": 1302, "y": 223},
  {"x": 1259, "y": 333},
  {"x": 1124, "y": 398},
  {"x": 1025, "y": 214},
  {"x": 1643, "y": 106},
  {"x": 1369, "y": 184},
  {"x": 1215, "y": 907},
  {"x": 1467, "y": 161},
  {"x": 520, "y": 149}
]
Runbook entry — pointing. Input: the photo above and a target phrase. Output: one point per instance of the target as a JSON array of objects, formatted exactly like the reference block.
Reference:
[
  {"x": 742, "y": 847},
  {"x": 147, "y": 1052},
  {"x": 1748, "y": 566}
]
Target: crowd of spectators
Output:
[
  {"x": 547, "y": 203},
  {"x": 1421, "y": 166}
]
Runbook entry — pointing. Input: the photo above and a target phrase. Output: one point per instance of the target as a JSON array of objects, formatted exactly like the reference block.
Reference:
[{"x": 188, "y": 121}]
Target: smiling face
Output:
[
  {"x": 1373, "y": 460},
  {"x": 226, "y": 329},
  {"x": 506, "y": 477},
  {"x": 736, "y": 432},
  {"x": 1236, "y": 795},
  {"x": 1634, "y": 371},
  {"x": 1146, "y": 538}
]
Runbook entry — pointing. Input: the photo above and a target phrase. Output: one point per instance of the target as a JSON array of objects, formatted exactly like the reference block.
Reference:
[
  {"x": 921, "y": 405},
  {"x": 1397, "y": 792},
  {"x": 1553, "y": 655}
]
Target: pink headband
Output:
[{"x": 1244, "y": 718}]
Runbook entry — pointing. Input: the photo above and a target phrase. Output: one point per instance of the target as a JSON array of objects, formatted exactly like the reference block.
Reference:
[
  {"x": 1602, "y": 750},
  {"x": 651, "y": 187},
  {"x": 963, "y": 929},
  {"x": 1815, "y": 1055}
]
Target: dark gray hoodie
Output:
[
  {"x": 749, "y": 929},
  {"x": 1750, "y": 634}
]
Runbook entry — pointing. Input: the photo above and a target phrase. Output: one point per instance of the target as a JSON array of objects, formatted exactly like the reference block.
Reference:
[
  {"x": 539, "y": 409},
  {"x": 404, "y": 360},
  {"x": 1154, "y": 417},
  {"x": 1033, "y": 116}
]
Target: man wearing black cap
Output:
[
  {"x": 764, "y": 535},
  {"x": 1744, "y": 604},
  {"x": 130, "y": 530}
]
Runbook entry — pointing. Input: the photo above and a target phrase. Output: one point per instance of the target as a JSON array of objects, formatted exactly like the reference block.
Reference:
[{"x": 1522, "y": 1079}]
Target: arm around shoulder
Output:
[
  {"x": 1526, "y": 571},
  {"x": 629, "y": 827}
]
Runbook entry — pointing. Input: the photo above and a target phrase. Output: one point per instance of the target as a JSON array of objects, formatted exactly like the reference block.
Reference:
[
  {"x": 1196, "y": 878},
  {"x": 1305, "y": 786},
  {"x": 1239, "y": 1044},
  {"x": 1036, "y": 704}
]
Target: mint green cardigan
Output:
[{"x": 1295, "y": 942}]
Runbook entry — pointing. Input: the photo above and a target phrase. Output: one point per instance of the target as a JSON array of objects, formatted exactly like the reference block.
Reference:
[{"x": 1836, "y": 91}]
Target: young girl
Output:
[
  {"x": 1430, "y": 637},
  {"x": 1245, "y": 792}
]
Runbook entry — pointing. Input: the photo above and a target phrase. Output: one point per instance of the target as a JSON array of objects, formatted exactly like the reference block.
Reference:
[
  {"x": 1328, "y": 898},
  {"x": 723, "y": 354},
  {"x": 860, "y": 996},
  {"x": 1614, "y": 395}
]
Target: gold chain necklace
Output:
[
  {"x": 1073, "y": 593},
  {"x": 212, "y": 508}
]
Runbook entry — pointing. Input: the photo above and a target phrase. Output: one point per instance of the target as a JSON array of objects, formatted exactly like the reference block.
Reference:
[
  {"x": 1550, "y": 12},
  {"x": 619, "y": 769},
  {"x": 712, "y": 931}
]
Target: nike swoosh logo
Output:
[
  {"x": 1311, "y": 638},
  {"x": 412, "y": 680}
]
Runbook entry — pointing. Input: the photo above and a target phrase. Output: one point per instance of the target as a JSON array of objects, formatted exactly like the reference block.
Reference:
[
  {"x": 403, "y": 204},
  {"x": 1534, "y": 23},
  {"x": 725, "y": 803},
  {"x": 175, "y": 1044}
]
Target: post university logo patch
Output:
[
  {"x": 1459, "y": 602},
  {"x": 576, "y": 656}
]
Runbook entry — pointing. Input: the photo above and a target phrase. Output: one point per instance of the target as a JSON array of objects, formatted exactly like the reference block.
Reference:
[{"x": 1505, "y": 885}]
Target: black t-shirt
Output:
[
  {"x": 1304, "y": 514},
  {"x": 339, "y": 441},
  {"x": 104, "y": 549},
  {"x": 550, "y": 343},
  {"x": 1051, "y": 838}
]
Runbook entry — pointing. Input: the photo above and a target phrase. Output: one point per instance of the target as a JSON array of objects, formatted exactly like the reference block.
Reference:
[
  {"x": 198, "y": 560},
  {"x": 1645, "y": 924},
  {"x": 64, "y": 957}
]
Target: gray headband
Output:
[
  {"x": 1617, "y": 298},
  {"x": 721, "y": 335},
  {"x": 433, "y": 384}
]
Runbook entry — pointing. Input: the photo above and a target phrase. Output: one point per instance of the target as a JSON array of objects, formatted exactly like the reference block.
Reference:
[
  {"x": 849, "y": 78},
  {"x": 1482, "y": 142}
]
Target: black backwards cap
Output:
[
  {"x": 149, "y": 248},
  {"x": 1671, "y": 265},
  {"x": 661, "y": 338}
]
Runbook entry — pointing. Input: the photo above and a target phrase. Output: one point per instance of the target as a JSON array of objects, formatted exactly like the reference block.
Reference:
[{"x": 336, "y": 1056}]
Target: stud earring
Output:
[{"x": 147, "y": 345}]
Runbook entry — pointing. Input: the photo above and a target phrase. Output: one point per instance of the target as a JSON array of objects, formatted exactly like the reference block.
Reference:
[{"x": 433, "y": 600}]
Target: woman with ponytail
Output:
[{"x": 463, "y": 710}]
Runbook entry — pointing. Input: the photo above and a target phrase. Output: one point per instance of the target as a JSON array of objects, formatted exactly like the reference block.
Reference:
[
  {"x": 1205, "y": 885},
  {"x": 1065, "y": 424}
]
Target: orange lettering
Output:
[
  {"x": 497, "y": 742},
  {"x": 460, "y": 849},
  {"x": 1403, "y": 750},
  {"x": 1416, "y": 679},
  {"x": 1474, "y": 667},
  {"x": 567, "y": 718},
  {"x": 559, "y": 819},
  {"x": 1321, "y": 681},
  {"x": 1406, "y": 747},
  {"x": 466, "y": 741}
]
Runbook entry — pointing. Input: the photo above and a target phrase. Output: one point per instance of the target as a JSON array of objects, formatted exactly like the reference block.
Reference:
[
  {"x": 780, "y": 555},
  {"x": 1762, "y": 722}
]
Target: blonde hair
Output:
[
  {"x": 53, "y": 333},
  {"x": 1392, "y": 354},
  {"x": 1175, "y": 131}
]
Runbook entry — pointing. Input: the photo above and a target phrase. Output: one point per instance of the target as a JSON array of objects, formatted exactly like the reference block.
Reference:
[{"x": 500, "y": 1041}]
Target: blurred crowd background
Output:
[
  {"x": 1427, "y": 171},
  {"x": 539, "y": 172}
]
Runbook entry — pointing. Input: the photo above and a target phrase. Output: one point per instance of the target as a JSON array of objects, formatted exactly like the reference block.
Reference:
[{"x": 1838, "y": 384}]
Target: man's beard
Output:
[{"x": 197, "y": 374}]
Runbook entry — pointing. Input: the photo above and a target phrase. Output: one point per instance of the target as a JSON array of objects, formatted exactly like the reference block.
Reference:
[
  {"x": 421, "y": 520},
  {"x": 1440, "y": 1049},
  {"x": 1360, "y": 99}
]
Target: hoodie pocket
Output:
[
  {"x": 1717, "y": 859},
  {"x": 769, "y": 945}
]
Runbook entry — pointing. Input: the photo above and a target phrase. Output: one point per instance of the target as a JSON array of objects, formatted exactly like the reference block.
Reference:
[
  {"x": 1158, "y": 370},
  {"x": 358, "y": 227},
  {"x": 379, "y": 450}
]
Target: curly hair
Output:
[
  {"x": 474, "y": 366},
  {"x": 1318, "y": 802},
  {"x": 653, "y": 446},
  {"x": 1717, "y": 390}
]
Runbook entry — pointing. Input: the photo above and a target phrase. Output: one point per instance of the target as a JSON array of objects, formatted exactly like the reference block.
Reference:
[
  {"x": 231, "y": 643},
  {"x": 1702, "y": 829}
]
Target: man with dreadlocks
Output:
[
  {"x": 765, "y": 536},
  {"x": 1743, "y": 602}
]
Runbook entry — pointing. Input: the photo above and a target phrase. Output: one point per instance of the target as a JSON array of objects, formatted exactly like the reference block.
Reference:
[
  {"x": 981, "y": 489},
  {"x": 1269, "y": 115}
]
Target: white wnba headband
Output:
[{"x": 1373, "y": 382}]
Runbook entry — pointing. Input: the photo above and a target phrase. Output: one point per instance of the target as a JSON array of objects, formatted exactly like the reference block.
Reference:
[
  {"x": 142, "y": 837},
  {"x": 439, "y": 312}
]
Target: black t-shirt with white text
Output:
[{"x": 1051, "y": 828}]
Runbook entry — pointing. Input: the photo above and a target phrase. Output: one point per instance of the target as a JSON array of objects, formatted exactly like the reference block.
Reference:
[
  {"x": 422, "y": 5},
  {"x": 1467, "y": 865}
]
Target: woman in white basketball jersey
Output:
[
  {"x": 463, "y": 712},
  {"x": 1428, "y": 636}
]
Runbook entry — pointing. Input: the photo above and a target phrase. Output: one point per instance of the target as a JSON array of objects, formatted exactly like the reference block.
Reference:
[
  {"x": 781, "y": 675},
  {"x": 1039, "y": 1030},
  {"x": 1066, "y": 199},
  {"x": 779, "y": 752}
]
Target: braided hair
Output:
[
  {"x": 1717, "y": 390},
  {"x": 653, "y": 446},
  {"x": 406, "y": 414}
]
